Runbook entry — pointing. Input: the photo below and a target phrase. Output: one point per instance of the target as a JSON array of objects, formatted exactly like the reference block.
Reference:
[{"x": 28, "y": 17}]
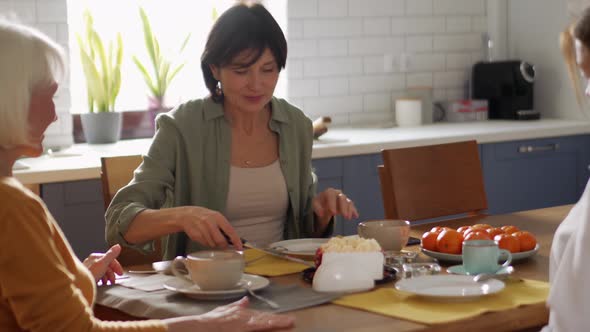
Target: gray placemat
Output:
[{"x": 166, "y": 304}]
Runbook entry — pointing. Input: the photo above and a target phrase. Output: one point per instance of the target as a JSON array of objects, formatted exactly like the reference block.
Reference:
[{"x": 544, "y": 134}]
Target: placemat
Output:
[
  {"x": 391, "y": 302},
  {"x": 166, "y": 304},
  {"x": 270, "y": 266}
]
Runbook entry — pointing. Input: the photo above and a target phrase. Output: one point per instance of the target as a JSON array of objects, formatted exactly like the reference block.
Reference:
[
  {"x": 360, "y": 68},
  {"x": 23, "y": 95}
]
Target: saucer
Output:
[
  {"x": 189, "y": 289},
  {"x": 460, "y": 269}
]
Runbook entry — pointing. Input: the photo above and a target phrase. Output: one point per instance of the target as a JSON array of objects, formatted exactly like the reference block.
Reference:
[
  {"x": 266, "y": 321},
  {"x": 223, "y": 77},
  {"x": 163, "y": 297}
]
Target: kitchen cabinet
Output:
[
  {"x": 78, "y": 208},
  {"x": 531, "y": 174},
  {"x": 357, "y": 177}
]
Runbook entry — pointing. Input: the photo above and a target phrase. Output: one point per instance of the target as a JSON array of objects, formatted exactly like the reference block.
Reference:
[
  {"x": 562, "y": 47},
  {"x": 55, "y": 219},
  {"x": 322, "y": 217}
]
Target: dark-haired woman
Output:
[
  {"x": 235, "y": 164},
  {"x": 569, "y": 262}
]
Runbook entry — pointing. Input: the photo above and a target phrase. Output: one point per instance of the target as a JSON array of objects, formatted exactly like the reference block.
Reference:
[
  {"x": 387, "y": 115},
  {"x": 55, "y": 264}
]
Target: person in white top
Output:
[{"x": 569, "y": 263}]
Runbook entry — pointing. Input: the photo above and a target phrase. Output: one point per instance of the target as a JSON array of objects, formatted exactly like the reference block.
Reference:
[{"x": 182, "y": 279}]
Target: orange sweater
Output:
[{"x": 43, "y": 286}]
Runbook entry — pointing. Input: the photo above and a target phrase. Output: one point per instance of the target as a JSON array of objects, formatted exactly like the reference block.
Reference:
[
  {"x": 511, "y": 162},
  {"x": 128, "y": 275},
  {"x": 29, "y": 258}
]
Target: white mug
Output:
[{"x": 211, "y": 269}]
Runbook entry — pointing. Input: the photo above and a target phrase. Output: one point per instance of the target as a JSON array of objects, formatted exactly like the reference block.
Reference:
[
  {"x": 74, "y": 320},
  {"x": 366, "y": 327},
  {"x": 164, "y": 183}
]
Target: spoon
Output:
[{"x": 269, "y": 302}]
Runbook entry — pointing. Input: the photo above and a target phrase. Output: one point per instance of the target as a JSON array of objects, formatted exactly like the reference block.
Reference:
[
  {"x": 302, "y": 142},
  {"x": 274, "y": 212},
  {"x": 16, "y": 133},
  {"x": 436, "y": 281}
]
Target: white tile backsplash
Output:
[
  {"x": 458, "y": 24},
  {"x": 459, "y": 61},
  {"x": 302, "y": 8},
  {"x": 418, "y": 25},
  {"x": 23, "y": 11},
  {"x": 376, "y": 26},
  {"x": 419, "y": 79},
  {"x": 333, "y": 105},
  {"x": 343, "y": 27},
  {"x": 376, "y": 7},
  {"x": 361, "y": 45},
  {"x": 419, "y": 7},
  {"x": 295, "y": 29},
  {"x": 303, "y": 48},
  {"x": 332, "y": 8},
  {"x": 460, "y": 42},
  {"x": 333, "y": 47},
  {"x": 428, "y": 62},
  {"x": 51, "y": 11},
  {"x": 366, "y": 84},
  {"x": 418, "y": 43},
  {"x": 304, "y": 88},
  {"x": 375, "y": 45},
  {"x": 50, "y": 17},
  {"x": 459, "y": 7},
  {"x": 333, "y": 86},
  {"x": 326, "y": 67},
  {"x": 377, "y": 102}
]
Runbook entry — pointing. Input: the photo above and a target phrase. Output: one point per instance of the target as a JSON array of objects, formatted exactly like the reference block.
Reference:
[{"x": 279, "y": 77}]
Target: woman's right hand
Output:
[
  {"x": 232, "y": 317},
  {"x": 206, "y": 226}
]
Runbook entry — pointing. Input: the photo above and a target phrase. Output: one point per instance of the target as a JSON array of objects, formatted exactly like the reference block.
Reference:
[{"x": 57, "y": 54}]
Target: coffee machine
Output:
[{"x": 508, "y": 87}]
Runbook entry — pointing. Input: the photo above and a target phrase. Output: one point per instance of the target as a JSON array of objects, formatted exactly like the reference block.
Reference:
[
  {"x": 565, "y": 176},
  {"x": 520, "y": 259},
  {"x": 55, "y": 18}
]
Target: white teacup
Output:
[
  {"x": 211, "y": 269},
  {"x": 391, "y": 234}
]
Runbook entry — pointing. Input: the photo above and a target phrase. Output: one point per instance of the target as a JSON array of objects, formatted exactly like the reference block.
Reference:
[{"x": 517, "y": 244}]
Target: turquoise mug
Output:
[{"x": 481, "y": 256}]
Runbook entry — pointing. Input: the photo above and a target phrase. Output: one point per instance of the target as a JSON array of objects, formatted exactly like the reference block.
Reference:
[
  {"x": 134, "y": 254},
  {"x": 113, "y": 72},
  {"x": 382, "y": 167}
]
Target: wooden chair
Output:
[
  {"x": 432, "y": 181},
  {"x": 116, "y": 172}
]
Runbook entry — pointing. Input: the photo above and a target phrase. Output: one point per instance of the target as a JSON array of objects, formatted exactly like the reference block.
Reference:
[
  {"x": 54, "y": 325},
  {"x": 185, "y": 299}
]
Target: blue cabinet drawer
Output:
[
  {"x": 533, "y": 148},
  {"x": 531, "y": 174},
  {"x": 328, "y": 167}
]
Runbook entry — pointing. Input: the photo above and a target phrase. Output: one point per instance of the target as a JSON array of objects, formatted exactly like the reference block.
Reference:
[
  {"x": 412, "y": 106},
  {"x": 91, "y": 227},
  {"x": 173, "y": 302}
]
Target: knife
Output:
[
  {"x": 271, "y": 252},
  {"x": 276, "y": 253}
]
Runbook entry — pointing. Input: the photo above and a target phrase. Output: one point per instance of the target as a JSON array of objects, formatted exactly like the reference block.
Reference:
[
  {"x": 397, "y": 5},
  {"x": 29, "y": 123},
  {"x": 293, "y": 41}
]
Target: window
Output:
[{"x": 171, "y": 21}]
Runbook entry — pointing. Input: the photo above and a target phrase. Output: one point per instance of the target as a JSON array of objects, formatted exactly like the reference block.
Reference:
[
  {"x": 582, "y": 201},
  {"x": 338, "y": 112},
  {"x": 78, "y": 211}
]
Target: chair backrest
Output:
[
  {"x": 116, "y": 172},
  {"x": 432, "y": 181}
]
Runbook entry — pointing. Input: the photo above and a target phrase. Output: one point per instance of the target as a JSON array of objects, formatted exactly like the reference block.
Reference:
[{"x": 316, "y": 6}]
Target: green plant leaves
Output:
[
  {"x": 161, "y": 78},
  {"x": 103, "y": 77}
]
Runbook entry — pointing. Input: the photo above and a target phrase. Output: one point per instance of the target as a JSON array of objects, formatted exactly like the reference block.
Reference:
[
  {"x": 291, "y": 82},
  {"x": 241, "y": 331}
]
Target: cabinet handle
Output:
[{"x": 531, "y": 149}]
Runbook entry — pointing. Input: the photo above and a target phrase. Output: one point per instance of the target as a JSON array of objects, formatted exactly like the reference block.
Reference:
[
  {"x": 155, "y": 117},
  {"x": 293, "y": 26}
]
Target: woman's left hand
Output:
[
  {"x": 105, "y": 266},
  {"x": 332, "y": 202}
]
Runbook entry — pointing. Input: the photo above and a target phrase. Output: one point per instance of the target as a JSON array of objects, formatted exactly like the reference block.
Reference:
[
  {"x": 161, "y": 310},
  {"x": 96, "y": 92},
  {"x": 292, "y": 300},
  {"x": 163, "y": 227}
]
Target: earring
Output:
[{"x": 218, "y": 90}]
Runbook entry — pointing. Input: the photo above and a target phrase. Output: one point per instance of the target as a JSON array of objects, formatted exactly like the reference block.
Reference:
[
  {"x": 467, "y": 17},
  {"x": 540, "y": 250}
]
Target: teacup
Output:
[
  {"x": 481, "y": 256},
  {"x": 211, "y": 269},
  {"x": 391, "y": 234}
]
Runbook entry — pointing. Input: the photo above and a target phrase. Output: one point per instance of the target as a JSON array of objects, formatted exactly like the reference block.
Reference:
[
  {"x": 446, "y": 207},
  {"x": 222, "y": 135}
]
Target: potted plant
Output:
[
  {"x": 162, "y": 73},
  {"x": 102, "y": 69}
]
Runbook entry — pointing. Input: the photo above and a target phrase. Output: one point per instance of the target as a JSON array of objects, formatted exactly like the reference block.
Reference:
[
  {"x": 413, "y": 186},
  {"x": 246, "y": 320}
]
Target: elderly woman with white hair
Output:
[{"x": 43, "y": 286}]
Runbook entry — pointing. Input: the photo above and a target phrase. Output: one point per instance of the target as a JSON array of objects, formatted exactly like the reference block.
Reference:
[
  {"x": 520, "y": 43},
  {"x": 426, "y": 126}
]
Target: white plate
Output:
[
  {"x": 299, "y": 247},
  {"x": 502, "y": 273},
  {"x": 449, "y": 287},
  {"x": 191, "y": 290},
  {"x": 457, "y": 258}
]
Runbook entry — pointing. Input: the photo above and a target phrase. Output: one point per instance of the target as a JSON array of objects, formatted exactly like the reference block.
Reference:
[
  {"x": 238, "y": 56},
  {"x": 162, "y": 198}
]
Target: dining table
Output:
[{"x": 331, "y": 317}]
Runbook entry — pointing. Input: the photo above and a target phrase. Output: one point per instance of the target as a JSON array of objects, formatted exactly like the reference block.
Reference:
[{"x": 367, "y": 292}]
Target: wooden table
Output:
[{"x": 330, "y": 317}]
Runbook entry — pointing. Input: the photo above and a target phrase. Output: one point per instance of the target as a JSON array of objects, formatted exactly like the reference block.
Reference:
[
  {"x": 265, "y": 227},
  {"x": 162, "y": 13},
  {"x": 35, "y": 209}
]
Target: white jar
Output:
[{"x": 408, "y": 112}]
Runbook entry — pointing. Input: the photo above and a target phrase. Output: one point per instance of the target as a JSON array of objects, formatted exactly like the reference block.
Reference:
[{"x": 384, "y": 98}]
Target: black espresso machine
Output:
[{"x": 508, "y": 87}]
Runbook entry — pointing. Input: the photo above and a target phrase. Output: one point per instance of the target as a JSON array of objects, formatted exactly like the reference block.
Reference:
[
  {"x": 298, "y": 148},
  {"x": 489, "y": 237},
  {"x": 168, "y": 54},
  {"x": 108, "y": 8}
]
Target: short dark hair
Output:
[{"x": 242, "y": 27}]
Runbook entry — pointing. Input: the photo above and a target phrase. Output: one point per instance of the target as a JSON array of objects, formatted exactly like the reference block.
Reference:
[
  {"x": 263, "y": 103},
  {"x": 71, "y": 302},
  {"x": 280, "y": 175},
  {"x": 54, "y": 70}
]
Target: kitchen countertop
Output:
[{"x": 82, "y": 161}]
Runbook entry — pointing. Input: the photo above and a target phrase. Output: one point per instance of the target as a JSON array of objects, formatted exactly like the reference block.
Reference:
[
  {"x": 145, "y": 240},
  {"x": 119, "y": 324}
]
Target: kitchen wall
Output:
[
  {"x": 49, "y": 16},
  {"x": 533, "y": 35},
  {"x": 351, "y": 59}
]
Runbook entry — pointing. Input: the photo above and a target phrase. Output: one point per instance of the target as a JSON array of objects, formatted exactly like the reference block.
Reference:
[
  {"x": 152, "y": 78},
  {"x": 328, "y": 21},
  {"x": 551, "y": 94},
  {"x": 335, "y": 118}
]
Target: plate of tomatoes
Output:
[{"x": 446, "y": 244}]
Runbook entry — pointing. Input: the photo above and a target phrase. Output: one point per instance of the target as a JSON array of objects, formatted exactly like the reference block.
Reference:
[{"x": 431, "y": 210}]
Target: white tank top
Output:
[{"x": 257, "y": 203}]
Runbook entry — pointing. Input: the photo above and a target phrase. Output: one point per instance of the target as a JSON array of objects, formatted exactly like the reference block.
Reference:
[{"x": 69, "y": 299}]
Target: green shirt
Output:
[{"x": 188, "y": 163}]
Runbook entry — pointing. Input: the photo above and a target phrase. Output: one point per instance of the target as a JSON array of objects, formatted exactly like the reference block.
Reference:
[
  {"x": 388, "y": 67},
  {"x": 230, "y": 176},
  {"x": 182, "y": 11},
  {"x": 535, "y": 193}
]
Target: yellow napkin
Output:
[
  {"x": 269, "y": 265},
  {"x": 391, "y": 302}
]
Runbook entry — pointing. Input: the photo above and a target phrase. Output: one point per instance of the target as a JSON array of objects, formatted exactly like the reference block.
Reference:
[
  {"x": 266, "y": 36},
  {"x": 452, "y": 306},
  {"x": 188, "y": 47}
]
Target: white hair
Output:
[{"x": 28, "y": 59}]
